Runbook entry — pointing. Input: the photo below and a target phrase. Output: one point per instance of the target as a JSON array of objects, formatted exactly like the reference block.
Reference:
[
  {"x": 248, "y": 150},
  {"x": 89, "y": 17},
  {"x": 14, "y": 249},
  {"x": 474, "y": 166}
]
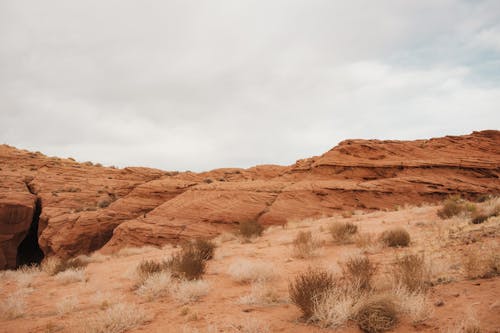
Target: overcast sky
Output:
[{"x": 196, "y": 85}]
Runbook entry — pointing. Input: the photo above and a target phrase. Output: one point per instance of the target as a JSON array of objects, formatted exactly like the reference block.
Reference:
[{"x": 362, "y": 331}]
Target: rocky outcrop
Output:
[{"x": 86, "y": 206}]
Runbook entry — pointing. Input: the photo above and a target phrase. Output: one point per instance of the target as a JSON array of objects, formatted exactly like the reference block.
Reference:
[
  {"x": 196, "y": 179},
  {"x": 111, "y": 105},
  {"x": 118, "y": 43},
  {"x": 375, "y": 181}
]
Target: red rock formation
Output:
[{"x": 86, "y": 206}]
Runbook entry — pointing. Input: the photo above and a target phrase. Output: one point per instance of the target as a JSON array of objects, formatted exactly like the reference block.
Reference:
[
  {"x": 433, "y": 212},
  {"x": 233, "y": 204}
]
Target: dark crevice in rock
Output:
[{"x": 29, "y": 252}]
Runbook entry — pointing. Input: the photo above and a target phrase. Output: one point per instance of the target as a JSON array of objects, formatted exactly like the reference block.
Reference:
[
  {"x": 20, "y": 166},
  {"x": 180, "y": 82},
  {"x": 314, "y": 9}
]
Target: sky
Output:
[{"x": 198, "y": 85}]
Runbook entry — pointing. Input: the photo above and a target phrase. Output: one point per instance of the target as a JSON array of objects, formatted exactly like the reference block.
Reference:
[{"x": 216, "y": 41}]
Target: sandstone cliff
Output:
[{"x": 83, "y": 207}]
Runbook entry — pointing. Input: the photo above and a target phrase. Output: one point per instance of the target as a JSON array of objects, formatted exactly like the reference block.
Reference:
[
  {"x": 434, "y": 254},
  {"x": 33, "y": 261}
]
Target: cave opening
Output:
[{"x": 29, "y": 252}]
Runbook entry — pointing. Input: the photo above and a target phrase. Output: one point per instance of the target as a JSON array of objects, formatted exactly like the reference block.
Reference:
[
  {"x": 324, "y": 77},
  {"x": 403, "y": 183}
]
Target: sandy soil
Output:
[{"x": 444, "y": 243}]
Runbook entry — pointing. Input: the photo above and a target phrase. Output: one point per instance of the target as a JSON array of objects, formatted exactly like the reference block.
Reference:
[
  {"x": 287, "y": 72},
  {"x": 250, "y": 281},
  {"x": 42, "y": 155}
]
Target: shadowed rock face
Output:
[{"x": 85, "y": 207}]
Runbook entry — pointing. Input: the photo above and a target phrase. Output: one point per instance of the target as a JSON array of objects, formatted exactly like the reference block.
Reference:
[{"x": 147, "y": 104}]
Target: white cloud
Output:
[{"x": 190, "y": 85}]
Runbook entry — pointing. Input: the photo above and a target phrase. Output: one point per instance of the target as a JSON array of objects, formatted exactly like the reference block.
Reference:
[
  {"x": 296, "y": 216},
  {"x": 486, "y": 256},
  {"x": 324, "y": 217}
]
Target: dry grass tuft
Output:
[
  {"x": 377, "y": 314},
  {"x": 413, "y": 304},
  {"x": 396, "y": 237},
  {"x": 304, "y": 245},
  {"x": 245, "y": 271},
  {"x": 53, "y": 265},
  {"x": 155, "y": 285},
  {"x": 117, "y": 318},
  {"x": 146, "y": 269},
  {"x": 334, "y": 308},
  {"x": 13, "y": 306},
  {"x": 190, "y": 291},
  {"x": 454, "y": 206},
  {"x": 187, "y": 264},
  {"x": 343, "y": 232},
  {"x": 309, "y": 287},
  {"x": 261, "y": 293},
  {"x": 67, "y": 305},
  {"x": 360, "y": 272},
  {"x": 71, "y": 275},
  {"x": 482, "y": 263},
  {"x": 202, "y": 247},
  {"x": 249, "y": 229},
  {"x": 411, "y": 272}
]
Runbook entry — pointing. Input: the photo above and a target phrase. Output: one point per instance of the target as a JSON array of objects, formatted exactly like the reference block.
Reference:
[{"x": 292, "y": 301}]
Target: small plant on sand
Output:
[
  {"x": 359, "y": 271},
  {"x": 71, "y": 275},
  {"x": 377, "y": 314},
  {"x": 396, "y": 237},
  {"x": 411, "y": 272},
  {"x": 343, "y": 232},
  {"x": 481, "y": 263},
  {"x": 13, "y": 306},
  {"x": 54, "y": 265},
  {"x": 454, "y": 206},
  {"x": 190, "y": 291},
  {"x": 308, "y": 287},
  {"x": 245, "y": 271},
  {"x": 304, "y": 245},
  {"x": 204, "y": 248},
  {"x": 249, "y": 229},
  {"x": 187, "y": 264},
  {"x": 146, "y": 268},
  {"x": 117, "y": 318}
]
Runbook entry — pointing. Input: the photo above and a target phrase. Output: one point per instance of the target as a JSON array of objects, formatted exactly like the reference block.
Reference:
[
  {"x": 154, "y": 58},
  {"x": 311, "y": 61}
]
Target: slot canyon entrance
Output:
[{"x": 29, "y": 252}]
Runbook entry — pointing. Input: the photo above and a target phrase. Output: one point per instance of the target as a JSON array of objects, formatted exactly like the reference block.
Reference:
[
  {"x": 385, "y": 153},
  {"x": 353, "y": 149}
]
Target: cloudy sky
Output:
[{"x": 203, "y": 84}]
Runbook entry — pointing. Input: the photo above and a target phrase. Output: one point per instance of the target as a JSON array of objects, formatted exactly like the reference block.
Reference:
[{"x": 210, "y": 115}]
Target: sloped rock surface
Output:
[{"x": 85, "y": 206}]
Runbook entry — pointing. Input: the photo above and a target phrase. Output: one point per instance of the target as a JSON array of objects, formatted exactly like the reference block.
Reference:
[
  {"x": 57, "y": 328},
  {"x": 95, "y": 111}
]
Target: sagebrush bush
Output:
[
  {"x": 304, "y": 245},
  {"x": 308, "y": 287},
  {"x": 359, "y": 271},
  {"x": 454, "y": 206},
  {"x": 411, "y": 272},
  {"x": 396, "y": 237},
  {"x": 343, "y": 232},
  {"x": 250, "y": 228},
  {"x": 377, "y": 314},
  {"x": 187, "y": 264},
  {"x": 481, "y": 263},
  {"x": 204, "y": 248},
  {"x": 117, "y": 318}
]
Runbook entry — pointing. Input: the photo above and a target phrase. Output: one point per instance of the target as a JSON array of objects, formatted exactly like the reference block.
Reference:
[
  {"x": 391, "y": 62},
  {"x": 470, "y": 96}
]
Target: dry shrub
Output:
[
  {"x": 482, "y": 263},
  {"x": 187, "y": 264},
  {"x": 155, "y": 285},
  {"x": 479, "y": 218},
  {"x": 67, "y": 305},
  {"x": 261, "y": 293},
  {"x": 304, "y": 245},
  {"x": 413, "y": 304},
  {"x": 71, "y": 275},
  {"x": 359, "y": 271},
  {"x": 54, "y": 265},
  {"x": 13, "y": 306},
  {"x": 117, "y": 318},
  {"x": 147, "y": 268},
  {"x": 190, "y": 291},
  {"x": 396, "y": 237},
  {"x": 365, "y": 240},
  {"x": 343, "y": 232},
  {"x": 336, "y": 307},
  {"x": 377, "y": 314},
  {"x": 411, "y": 272},
  {"x": 309, "y": 287},
  {"x": 454, "y": 206},
  {"x": 249, "y": 229},
  {"x": 204, "y": 248},
  {"x": 245, "y": 271},
  {"x": 23, "y": 276}
]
